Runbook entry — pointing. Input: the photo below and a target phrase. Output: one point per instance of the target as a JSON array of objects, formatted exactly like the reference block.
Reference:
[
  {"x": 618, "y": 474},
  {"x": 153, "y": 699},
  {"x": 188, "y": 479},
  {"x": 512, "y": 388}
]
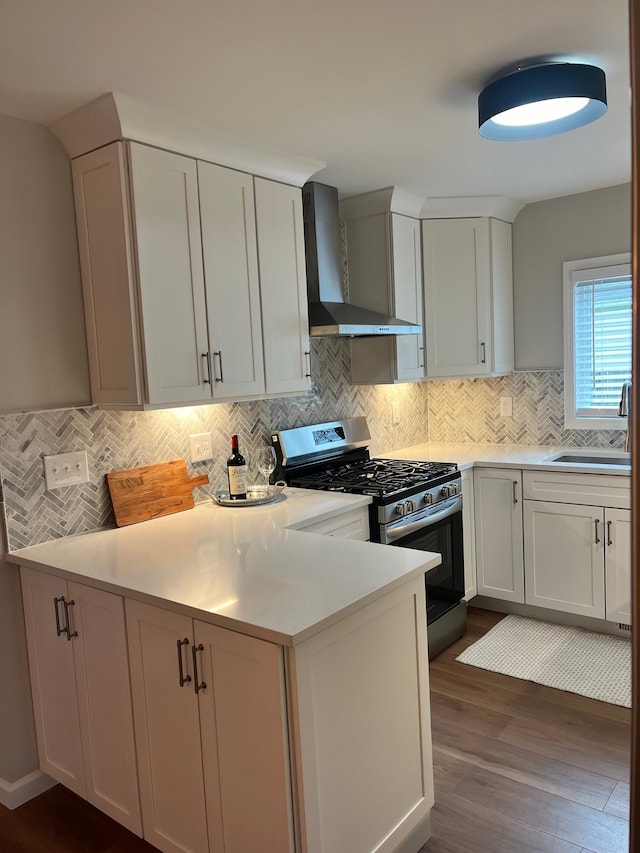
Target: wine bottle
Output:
[{"x": 237, "y": 472}]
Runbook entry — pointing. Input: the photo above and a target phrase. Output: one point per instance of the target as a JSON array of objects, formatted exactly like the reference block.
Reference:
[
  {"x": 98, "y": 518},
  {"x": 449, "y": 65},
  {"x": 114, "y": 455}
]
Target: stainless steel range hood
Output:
[{"x": 329, "y": 314}]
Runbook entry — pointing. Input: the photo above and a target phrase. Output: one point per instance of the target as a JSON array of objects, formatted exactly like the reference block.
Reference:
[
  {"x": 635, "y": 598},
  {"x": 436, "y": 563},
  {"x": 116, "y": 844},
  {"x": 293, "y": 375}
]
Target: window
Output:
[{"x": 597, "y": 340}]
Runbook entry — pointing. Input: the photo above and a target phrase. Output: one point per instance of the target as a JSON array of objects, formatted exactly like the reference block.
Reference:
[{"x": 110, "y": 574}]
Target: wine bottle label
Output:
[{"x": 237, "y": 479}]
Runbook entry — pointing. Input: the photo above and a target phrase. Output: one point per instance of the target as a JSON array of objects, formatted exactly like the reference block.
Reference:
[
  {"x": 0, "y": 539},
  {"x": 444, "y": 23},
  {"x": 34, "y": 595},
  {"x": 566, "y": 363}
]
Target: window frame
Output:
[{"x": 571, "y": 420}]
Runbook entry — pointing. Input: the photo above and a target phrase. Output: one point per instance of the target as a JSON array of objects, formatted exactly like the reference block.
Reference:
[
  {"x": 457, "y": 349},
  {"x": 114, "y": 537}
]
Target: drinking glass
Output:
[{"x": 266, "y": 462}]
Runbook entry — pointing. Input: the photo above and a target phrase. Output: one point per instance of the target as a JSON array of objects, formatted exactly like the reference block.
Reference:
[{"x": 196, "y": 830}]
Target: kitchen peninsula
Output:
[{"x": 279, "y": 677}]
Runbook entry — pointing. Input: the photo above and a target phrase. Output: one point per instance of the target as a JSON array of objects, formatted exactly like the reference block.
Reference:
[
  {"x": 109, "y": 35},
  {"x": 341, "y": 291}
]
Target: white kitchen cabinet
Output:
[
  {"x": 618, "y": 565},
  {"x": 159, "y": 332},
  {"x": 468, "y": 294},
  {"x": 385, "y": 274},
  {"x": 469, "y": 535},
  {"x": 352, "y": 524},
  {"x": 564, "y": 557},
  {"x": 499, "y": 536},
  {"x": 283, "y": 287},
  {"x": 141, "y": 261},
  {"x": 230, "y": 251},
  {"x": 577, "y": 549},
  {"x": 361, "y": 719},
  {"x": 245, "y": 749},
  {"x": 80, "y": 685},
  {"x": 208, "y": 755}
]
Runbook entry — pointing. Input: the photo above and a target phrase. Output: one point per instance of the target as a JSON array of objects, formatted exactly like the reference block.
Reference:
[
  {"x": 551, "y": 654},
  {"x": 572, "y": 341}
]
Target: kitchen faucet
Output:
[{"x": 624, "y": 410}]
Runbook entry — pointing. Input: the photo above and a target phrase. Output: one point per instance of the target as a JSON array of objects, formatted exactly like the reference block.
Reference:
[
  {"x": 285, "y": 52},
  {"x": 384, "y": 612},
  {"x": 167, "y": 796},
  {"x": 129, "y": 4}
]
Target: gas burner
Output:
[{"x": 380, "y": 478}]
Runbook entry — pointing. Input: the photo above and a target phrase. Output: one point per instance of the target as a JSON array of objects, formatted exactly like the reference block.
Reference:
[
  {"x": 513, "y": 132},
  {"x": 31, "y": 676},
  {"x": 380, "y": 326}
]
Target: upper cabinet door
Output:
[
  {"x": 227, "y": 215},
  {"x": 456, "y": 288},
  {"x": 407, "y": 279},
  {"x": 166, "y": 220},
  {"x": 283, "y": 286},
  {"x": 468, "y": 291},
  {"x": 385, "y": 275},
  {"x": 108, "y": 278}
]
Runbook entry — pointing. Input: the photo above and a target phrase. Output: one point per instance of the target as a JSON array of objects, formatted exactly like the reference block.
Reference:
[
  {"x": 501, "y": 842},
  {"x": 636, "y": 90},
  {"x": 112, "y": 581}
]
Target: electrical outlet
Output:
[
  {"x": 200, "y": 446},
  {"x": 66, "y": 469},
  {"x": 395, "y": 412},
  {"x": 506, "y": 407}
]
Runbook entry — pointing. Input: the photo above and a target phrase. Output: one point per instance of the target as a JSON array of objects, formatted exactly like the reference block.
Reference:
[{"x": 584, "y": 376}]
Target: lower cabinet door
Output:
[
  {"x": 167, "y": 728},
  {"x": 244, "y": 742},
  {"x": 498, "y": 525},
  {"x": 564, "y": 557},
  {"x": 618, "y": 565},
  {"x": 104, "y": 703},
  {"x": 53, "y": 683}
]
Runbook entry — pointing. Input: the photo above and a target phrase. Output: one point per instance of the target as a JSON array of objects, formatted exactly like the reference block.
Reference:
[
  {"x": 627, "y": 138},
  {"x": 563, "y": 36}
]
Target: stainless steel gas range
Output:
[{"x": 415, "y": 505}]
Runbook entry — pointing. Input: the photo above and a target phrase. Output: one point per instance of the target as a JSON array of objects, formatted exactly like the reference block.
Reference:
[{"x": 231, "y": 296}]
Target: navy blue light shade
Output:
[{"x": 542, "y": 82}]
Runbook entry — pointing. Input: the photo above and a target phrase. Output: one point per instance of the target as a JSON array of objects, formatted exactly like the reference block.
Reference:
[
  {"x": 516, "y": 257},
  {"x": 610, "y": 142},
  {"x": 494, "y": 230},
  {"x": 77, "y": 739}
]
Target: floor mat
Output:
[{"x": 572, "y": 659}]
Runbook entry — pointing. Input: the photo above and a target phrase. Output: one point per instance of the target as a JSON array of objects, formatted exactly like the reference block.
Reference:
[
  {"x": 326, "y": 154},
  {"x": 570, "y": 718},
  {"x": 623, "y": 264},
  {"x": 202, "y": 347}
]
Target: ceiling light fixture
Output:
[{"x": 542, "y": 100}]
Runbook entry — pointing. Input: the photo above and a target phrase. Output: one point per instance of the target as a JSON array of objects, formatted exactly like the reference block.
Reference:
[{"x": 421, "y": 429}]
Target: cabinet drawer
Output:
[
  {"x": 353, "y": 524},
  {"x": 586, "y": 489}
]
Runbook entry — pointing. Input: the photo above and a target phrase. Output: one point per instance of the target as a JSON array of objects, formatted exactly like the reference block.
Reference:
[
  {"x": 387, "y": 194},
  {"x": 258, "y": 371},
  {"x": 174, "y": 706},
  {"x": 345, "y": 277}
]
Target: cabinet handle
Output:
[
  {"x": 421, "y": 356},
  {"x": 59, "y": 629},
  {"x": 197, "y": 686},
  {"x": 70, "y": 633},
  {"x": 597, "y": 522},
  {"x": 483, "y": 357},
  {"x": 308, "y": 355},
  {"x": 609, "y": 539},
  {"x": 220, "y": 378},
  {"x": 184, "y": 679},
  {"x": 515, "y": 495},
  {"x": 205, "y": 355}
]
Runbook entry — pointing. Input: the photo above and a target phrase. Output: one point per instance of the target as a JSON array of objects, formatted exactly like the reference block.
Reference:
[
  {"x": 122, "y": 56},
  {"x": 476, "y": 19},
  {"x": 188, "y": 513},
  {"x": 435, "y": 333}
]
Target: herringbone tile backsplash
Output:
[{"x": 453, "y": 410}]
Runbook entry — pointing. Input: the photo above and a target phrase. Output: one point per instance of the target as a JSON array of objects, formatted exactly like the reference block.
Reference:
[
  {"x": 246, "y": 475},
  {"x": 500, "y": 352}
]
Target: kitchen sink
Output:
[{"x": 591, "y": 459}]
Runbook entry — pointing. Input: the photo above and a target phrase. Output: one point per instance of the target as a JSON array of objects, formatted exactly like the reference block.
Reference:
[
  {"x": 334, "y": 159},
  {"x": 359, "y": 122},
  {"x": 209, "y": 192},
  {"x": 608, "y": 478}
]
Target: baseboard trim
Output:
[{"x": 14, "y": 794}]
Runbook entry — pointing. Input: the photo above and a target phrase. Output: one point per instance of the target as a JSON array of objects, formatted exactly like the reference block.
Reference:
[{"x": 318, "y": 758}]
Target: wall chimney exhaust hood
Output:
[{"x": 329, "y": 314}]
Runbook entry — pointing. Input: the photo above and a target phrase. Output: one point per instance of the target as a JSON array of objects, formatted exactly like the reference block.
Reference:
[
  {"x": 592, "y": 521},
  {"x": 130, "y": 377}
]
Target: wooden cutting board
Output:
[{"x": 138, "y": 494}]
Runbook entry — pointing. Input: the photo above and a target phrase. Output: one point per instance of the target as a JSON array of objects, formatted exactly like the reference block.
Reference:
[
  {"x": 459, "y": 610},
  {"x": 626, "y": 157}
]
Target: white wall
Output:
[
  {"x": 43, "y": 353},
  {"x": 544, "y": 235}
]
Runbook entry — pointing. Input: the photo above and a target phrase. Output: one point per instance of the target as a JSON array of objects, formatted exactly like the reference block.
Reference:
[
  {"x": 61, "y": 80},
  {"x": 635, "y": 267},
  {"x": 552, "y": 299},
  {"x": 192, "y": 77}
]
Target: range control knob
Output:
[
  {"x": 428, "y": 498},
  {"x": 449, "y": 491},
  {"x": 400, "y": 509},
  {"x": 409, "y": 506}
]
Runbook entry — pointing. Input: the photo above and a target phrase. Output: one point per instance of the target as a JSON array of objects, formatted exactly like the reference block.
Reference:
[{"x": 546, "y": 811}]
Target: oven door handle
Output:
[{"x": 452, "y": 508}]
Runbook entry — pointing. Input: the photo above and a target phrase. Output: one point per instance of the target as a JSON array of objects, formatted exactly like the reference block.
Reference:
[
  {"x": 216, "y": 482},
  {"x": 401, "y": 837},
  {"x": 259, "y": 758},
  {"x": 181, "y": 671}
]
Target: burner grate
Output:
[{"x": 377, "y": 477}]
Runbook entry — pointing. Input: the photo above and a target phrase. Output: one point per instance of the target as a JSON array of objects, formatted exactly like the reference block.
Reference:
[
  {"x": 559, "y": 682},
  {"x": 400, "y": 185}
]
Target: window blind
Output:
[{"x": 602, "y": 338}]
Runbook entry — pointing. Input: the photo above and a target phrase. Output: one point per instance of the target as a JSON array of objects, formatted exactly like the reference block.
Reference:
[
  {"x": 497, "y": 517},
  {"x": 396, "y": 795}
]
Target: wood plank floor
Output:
[
  {"x": 519, "y": 768},
  {"x": 522, "y": 768}
]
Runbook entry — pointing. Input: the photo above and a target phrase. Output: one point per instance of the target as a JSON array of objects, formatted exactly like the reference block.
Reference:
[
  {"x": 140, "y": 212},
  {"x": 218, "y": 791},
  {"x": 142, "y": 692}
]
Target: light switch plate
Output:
[
  {"x": 200, "y": 445},
  {"x": 395, "y": 412},
  {"x": 66, "y": 469}
]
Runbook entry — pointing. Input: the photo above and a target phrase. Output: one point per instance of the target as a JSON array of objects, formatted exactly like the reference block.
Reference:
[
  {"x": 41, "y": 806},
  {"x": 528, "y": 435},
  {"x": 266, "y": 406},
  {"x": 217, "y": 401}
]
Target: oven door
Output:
[{"x": 439, "y": 529}]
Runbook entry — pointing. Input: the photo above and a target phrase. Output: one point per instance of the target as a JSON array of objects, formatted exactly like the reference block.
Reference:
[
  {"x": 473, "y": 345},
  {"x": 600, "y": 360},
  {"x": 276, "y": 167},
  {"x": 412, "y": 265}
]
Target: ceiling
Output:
[{"x": 382, "y": 91}]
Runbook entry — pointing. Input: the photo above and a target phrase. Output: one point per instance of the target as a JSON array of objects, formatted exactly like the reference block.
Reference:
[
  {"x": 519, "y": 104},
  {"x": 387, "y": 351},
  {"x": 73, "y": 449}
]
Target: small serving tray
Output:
[{"x": 256, "y": 496}]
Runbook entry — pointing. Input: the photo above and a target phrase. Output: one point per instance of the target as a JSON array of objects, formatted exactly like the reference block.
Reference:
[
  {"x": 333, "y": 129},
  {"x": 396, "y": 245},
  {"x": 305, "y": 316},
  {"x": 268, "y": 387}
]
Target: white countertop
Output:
[
  {"x": 243, "y": 568},
  {"x": 524, "y": 456}
]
